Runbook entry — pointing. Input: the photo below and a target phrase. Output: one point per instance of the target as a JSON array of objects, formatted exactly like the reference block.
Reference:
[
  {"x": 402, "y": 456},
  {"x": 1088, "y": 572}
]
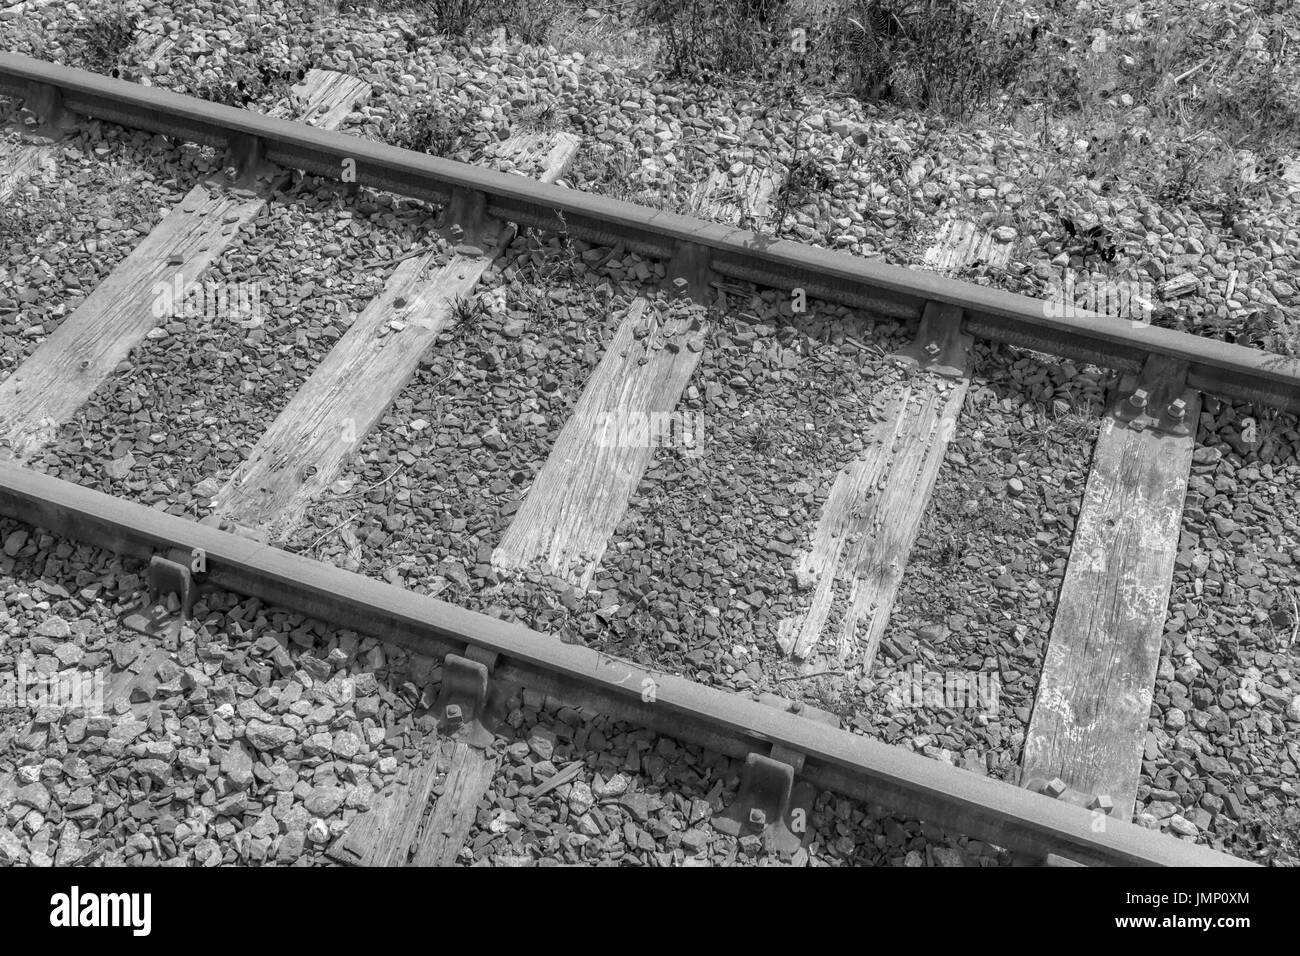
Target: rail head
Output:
[
  {"x": 1218, "y": 368},
  {"x": 835, "y": 759}
]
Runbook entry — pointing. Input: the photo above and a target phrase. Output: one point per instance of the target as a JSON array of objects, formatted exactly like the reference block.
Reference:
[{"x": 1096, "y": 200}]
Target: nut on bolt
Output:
[
  {"x": 452, "y": 713},
  {"x": 932, "y": 348},
  {"x": 1102, "y": 802},
  {"x": 757, "y": 816}
]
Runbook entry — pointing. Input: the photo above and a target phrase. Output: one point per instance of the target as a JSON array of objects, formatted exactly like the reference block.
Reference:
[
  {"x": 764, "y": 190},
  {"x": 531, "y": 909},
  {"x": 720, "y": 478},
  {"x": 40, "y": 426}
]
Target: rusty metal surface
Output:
[
  {"x": 1230, "y": 371},
  {"x": 833, "y": 759}
]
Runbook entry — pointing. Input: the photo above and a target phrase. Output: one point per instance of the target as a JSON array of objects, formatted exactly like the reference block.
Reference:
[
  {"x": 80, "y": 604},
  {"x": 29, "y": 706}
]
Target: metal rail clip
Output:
[
  {"x": 246, "y": 166},
  {"x": 465, "y": 698},
  {"x": 153, "y": 617},
  {"x": 770, "y": 803},
  {"x": 1158, "y": 400},
  {"x": 941, "y": 346},
  {"x": 46, "y": 103},
  {"x": 689, "y": 274},
  {"x": 468, "y": 226}
]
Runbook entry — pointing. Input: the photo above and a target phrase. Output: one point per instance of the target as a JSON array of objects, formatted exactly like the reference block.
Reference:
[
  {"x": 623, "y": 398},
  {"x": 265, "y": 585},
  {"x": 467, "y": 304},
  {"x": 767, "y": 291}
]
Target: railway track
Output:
[{"x": 1083, "y": 744}]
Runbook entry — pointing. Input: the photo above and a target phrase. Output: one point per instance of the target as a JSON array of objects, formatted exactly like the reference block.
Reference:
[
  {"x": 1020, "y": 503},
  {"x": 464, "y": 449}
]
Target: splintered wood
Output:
[
  {"x": 20, "y": 165},
  {"x": 325, "y": 99},
  {"x": 402, "y": 828},
  {"x": 870, "y": 520},
  {"x": 751, "y": 200},
  {"x": 961, "y": 243},
  {"x": 544, "y": 156},
  {"x": 80, "y": 355},
  {"x": 582, "y": 491},
  {"x": 328, "y": 418},
  {"x": 302, "y": 453},
  {"x": 1089, "y": 723},
  {"x": 304, "y": 449}
]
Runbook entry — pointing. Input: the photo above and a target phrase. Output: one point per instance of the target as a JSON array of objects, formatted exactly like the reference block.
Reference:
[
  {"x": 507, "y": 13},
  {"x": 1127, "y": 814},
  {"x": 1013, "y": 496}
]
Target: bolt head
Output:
[
  {"x": 757, "y": 817},
  {"x": 1055, "y": 787},
  {"x": 1139, "y": 398},
  {"x": 1177, "y": 409}
]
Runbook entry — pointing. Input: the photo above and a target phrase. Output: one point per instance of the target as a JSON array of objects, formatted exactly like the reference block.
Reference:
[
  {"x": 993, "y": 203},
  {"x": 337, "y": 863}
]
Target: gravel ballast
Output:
[
  {"x": 699, "y": 572},
  {"x": 259, "y": 736}
]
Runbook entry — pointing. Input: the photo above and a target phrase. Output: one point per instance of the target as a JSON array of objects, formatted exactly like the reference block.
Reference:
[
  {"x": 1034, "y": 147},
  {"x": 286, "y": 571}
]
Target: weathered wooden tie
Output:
[
  {"x": 424, "y": 819},
  {"x": 870, "y": 520},
  {"x": 328, "y": 418},
  {"x": 83, "y": 352},
  {"x": 1089, "y": 723},
  {"x": 623, "y": 415}
]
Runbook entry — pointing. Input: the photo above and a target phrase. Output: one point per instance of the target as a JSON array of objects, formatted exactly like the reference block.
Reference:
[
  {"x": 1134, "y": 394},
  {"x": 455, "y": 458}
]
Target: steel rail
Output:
[
  {"x": 834, "y": 759},
  {"x": 1217, "y": 368}
]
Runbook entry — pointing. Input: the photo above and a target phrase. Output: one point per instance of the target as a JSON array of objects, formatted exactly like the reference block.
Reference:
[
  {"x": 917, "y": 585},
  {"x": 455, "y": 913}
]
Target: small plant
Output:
[
  {"x": 599, "y": 168},
  {"x": 949, "y": 56},
  {"x": 541, "y": 119},
  {"x": 760, "y": 437},
  {"x": 29, "y": 220},
  {"x": 246, "y": 85},
  {"x": 429, "y": 128},
  {"x": 529, "y": 21},
  {"x": 804, "y": 179},
  {"x": 457, "y": 17},
  {"x": 102, "y": 41},
  {"x": 1284, "y": 336},
  {"x": 804, "y": 176},
  {"x": 1094, "y": 240},
  {"x": 733, "y": 37},
  {"x": 1255, "y": 107},
  {"x": 1183, "y": 173},
  {"x": 466, "y": 312}
]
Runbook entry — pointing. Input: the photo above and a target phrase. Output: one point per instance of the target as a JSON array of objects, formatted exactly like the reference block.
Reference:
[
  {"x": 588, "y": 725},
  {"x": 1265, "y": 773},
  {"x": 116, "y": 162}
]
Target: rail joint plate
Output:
[
  {"x": 770, "y": 804},
  {"x": 464, "y": 701},
  {"x": 940, "y": 346},
  {"x": 689, "y": 273},
  {"x": 1157, "y": 400},
  {"x": 246, "y": 166},
  {"x": 467, "y": 224},
  {"x": 46, "y": 103},
  {"x": 166, "y": 576}
]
